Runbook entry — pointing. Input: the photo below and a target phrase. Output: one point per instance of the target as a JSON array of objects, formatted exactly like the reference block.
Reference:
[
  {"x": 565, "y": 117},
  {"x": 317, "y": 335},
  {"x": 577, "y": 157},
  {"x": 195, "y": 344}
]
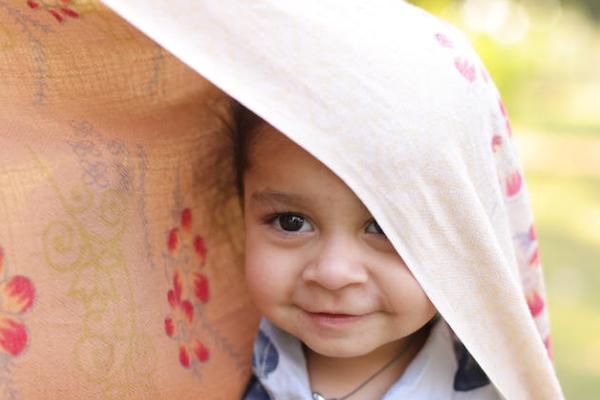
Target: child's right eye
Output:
[{"x": 291, "y": 223}]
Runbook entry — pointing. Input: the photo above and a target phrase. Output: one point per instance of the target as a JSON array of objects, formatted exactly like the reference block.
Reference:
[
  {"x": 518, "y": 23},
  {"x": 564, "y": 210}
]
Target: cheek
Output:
[
  {"x": 404, "y": 293},
  {"x": 269, "y": 274}
]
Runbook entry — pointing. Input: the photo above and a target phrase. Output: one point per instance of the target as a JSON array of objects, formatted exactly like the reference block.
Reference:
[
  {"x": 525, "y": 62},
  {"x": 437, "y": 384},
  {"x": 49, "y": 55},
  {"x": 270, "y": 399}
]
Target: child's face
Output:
[{"x": 324, "y": 255}]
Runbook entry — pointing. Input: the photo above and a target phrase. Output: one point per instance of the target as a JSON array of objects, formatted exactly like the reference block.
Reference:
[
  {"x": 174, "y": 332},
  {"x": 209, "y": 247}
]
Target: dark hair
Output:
[{"x": 243, "y": 132}]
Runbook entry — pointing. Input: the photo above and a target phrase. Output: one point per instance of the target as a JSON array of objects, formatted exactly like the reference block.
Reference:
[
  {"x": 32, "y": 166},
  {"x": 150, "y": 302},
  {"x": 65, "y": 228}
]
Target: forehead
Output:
[{"x": 281, "y": 171}]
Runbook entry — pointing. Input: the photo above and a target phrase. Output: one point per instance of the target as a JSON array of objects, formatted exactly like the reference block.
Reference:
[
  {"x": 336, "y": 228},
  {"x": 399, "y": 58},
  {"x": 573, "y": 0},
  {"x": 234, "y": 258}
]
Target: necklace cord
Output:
[{"x": 318, "y": 396}]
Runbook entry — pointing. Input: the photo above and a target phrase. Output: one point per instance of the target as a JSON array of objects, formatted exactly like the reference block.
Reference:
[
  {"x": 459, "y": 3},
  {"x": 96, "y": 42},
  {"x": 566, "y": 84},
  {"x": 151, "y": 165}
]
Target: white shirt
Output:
[{"x": 280, "y": 366}]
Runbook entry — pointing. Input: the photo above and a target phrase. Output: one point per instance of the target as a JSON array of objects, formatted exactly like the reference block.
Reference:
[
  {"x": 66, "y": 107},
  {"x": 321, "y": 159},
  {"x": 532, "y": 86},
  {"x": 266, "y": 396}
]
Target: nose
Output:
[{"x": 337, "y": 263}]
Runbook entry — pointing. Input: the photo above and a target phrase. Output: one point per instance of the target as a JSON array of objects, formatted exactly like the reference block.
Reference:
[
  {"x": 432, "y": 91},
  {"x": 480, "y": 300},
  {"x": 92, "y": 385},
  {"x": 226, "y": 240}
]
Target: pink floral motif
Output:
[
  {"x": 514, "y": 182},
  {"x": 443, "y": 40},
  {"x": 189, "y": 290},
  {"x": 532, "y": 233},
  {"x": 506, "y": 118},
  {"x": 496, "y": 142},
  {"x": 59, "y": 9},
  {"x": 534, "y": 259},
  {"x": 17, "y": 294},
  {"x": 548, "y": 345},
  {"x": 535, "y": 303},
  {"x": 466, "y": 68}
]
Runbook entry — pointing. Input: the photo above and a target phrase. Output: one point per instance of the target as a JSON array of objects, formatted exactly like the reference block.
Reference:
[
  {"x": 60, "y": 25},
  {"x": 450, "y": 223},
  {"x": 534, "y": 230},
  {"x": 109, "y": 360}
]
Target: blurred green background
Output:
[{"x": 544, "y": 56}]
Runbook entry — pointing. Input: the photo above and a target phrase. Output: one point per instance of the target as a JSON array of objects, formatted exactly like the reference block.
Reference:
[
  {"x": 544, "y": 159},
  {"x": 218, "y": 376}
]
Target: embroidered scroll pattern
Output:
[
  {"x": 17, "y": 294},
  {"x": 87, "y": 245}
]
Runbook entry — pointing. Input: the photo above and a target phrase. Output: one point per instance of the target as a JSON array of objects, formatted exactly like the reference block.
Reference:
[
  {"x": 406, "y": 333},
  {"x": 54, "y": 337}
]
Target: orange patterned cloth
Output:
[{"x": 120, "y": 245}]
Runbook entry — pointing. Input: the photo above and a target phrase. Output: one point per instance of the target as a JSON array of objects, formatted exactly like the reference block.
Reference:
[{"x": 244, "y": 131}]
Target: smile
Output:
[{"x": 333, "y": 320}]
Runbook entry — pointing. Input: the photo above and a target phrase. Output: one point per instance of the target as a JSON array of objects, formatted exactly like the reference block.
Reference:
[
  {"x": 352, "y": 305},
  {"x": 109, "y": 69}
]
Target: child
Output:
[
  {"x": 343, "y": 315},
  {"x": 411, "y": 139}
]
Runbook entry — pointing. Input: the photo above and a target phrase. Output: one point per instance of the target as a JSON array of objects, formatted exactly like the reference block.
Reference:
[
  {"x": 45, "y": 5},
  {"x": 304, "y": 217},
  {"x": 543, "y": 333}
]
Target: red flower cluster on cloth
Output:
[
  {"x": 16, "y": 297},
  {"x": 59, "y": 9},
  {"x": 189, "y": 291}
]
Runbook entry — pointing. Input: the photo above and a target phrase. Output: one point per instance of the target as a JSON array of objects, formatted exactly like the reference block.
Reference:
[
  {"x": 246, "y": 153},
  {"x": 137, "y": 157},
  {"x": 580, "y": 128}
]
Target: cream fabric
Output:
[{"x": 399, "y": 106}]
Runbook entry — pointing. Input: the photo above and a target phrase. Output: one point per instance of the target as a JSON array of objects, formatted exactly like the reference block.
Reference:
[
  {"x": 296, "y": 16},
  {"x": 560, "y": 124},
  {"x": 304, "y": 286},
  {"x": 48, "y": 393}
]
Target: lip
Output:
[{"x": 333, "y": 319}]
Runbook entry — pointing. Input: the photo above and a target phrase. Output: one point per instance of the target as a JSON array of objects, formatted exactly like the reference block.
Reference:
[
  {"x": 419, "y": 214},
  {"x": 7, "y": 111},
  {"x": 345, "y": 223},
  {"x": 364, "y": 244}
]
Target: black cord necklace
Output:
[{"x": 319, "y": 396}]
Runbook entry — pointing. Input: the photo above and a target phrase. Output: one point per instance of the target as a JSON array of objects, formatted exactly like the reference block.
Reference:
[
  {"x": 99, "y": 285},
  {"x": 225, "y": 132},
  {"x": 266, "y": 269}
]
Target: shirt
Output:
[{"x": 443, "y": 369}]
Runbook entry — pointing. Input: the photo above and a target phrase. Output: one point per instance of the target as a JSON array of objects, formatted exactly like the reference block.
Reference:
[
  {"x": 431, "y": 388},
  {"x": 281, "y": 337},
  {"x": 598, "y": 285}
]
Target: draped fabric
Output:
[
  {"x": 121, "y": 234},
  {"x": 397, "y": 104}
]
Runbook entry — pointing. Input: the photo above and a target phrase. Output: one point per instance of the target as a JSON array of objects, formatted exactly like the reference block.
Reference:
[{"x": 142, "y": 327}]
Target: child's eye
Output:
[
  {"x": 291, "y": 223},
  {"x": 374, "y": 227}
]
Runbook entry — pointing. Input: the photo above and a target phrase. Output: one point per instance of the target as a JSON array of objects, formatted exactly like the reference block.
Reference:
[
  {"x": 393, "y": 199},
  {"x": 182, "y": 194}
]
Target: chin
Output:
[{"x": 337, "y": 348}]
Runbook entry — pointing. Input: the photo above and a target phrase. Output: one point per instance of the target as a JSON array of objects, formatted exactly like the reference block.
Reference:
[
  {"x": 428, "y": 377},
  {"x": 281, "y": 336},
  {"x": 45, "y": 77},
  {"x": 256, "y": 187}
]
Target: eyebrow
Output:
[{"x": 271, "y": 196}]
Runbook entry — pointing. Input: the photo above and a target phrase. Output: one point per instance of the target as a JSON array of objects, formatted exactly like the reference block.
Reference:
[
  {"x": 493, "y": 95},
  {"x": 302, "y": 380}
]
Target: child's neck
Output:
[{"x": 336, "y": 377}]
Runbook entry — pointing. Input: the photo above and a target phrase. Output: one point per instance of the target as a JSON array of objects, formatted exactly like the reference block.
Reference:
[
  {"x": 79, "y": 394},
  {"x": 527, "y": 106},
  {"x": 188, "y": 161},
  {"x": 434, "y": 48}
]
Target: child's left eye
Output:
[{"x": 374, "y": 227}]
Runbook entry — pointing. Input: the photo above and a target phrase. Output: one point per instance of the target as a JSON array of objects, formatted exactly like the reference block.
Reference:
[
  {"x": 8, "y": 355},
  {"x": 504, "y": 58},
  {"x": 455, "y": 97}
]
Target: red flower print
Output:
[
  {"x": 184, "y": 357},
  {"x": 177, "y": 287},
  {"x": 200, "y": 351},
  {"x": 188, "y": 292},
  {"x": 466, "y": 68},
  {"x": 535, "y": 303},
  {"x": 200, "y": 249},
  {"x": 443, "y": 40},
  {"x": 169, "y": 327},
  {"x": 172, "y": 298},
  {"x": 201, "y": 287},
  {"x": 17, "y": 294},
  {"x": 514, "y": 182},
  {"x": 59, "y": 9},
  {"x": 188, "y": 310},
  {"x": 173, "y": 240},
  {"x": 13, "y": 336},
  {"x": 186, "y": 219}
]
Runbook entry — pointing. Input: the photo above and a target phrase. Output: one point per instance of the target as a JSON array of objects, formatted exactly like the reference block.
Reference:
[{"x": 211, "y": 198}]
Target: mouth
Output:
[
  {"x": 333, "y": 314},
  {"x": 333, "y": 319}
]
